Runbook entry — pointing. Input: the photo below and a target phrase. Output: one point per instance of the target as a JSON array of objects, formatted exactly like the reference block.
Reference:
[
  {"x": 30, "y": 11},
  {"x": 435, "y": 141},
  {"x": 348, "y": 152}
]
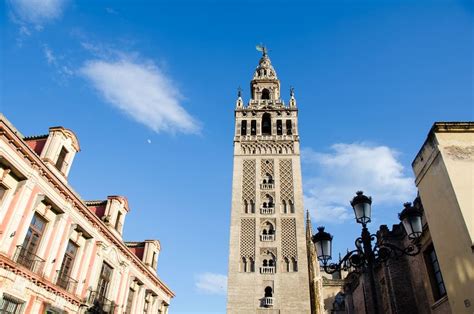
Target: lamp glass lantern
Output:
[
  {"x": 362, "y": 206},
  {"x": 411, "y": 220},
  {"x": 323, "y": 245}
]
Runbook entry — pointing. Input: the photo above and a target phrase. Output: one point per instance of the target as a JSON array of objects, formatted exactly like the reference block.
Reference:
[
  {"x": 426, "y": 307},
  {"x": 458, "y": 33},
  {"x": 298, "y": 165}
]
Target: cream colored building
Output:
[
  {"x": 268, "y": 263},
  {"x": 444, "y": 170},
  {"x": 59, "y": 253}
]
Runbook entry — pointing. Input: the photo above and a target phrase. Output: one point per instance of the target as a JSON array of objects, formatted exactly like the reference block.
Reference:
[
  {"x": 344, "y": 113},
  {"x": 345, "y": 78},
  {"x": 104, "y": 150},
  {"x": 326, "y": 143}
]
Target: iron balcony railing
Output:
[
  {"x": 266, "y": 186},
  {"x": 99, "y": 304},
  {"x": 29, "y": 260},
  {"x": 267, "y": 270},
  {"x": 267, "y": 210},
  {"x": 66, "y": 282},
  {"x": 267, "y": 237},
  {"x": 267, "y": 301}
]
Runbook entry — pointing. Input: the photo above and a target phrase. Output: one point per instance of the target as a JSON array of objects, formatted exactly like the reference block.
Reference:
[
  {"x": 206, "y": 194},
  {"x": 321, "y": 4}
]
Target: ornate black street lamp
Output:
[{"x": 365, "y": 257}]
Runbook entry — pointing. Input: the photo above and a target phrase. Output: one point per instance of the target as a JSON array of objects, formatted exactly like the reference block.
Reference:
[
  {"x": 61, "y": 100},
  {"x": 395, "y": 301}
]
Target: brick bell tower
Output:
[{"x": 268, "y": 265}]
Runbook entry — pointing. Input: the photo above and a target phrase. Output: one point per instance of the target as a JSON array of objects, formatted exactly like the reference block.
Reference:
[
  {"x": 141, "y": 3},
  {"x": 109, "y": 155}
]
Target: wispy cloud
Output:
[
  {"x": 57, "y": 62},
  {"x": 335, "y": 176},
  {"x": 211, "y": 283},
  {"x": 36, "y": 12},
  {"x": 142, "y": 91}
]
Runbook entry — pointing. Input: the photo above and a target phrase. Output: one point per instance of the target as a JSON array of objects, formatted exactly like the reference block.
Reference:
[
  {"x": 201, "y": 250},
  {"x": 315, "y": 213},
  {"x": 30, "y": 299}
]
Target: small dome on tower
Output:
[{"x": 265, "y": 69}]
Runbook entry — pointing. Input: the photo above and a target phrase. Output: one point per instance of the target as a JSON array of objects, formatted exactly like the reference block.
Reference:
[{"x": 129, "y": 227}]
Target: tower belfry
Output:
[{"x": 268, "y": 265}]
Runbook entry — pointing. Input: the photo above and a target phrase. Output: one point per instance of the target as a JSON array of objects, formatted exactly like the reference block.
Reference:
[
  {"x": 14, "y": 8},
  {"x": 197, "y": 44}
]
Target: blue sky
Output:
[{"x": 149, "y": 87}]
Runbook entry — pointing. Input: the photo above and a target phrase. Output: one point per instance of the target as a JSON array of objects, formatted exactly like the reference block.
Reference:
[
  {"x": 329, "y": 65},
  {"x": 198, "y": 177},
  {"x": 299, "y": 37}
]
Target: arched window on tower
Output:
[
  {"x": 246, "y": 207},
  {"x": 266, "y": 124},
  {"x": 268, "y": 292},
  {"x": 289, "y": 130},
  {"x": 283, "y": 207},
  {"x": 292, "y": 206},
  {"x": 294, "y": 264},
  {"x": 251, "y": 265},
  {"x": 243, "y": 265},
  {"x": 253, "y": 127},
  {"x": 279, "y": 127},
  {"x": 265, "y": 94},
  {"x": 252, "y": 207},
  {"x": 287, "y": 264},
  {"x": 243, "y": 128}
]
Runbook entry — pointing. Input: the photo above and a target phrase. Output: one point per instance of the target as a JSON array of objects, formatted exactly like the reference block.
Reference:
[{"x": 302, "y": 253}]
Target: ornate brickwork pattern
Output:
[
  {"x": 247, "y": 237},
  {"x": 266, "y": 166},
  {"x": 270, "y": 148},
  {"x": 249, "y": 180},
  {"x": 286, "y": 180},
  {"x": 288, "y": 238}
]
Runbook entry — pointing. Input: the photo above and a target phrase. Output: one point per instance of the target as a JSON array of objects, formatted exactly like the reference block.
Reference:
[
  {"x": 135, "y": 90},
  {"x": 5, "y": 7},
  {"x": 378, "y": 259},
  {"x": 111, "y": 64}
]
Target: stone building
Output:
[
  {"x": 444, "y": 171},
  {"x": 268, "y": 265},
  {"x": 441, "y": 278},
  {"x": 59, "y": 253}
]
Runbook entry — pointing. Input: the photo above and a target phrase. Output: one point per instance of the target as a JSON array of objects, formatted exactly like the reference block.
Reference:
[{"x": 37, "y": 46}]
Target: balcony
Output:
[
  {"x": 267, "y": 210},
  {"x": 267, "y": 237},
  {"x": 267, "y": 270},
  {"x": 29, "y": 260},
  {"x": 99, "y": 304},
  {"x": 66, "y": 282},
  {"x": 266, "y": 186},
  {"x": 267, "y": 301}
]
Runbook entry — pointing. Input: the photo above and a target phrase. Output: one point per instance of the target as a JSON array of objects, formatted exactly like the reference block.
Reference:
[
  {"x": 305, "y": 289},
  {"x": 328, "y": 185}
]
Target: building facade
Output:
[
  {"x": 58, "y": 252},
  {"x": 444, "y": 171},
  {"x": 268, "y": 265}
]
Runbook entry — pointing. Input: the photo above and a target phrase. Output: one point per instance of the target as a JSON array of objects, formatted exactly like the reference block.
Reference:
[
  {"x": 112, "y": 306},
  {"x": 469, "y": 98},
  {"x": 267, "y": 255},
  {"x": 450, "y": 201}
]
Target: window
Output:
[
  {"x": 153, "y": 260},
  {"x": 268, "y": 292},
  {"x": 266, "y": 124},
  {"x": 253, "y": 127},
  {"x": 131, "y": 293},
  {"x": 279, "y": 127},
  {"x": 265, "y": 94},
  {"x": 61, "y": 159},
  {"x": 104, "y": 281},
  {"x": 243, "y": 128},
  {"x": 294, "y": 264},
  {"x": 437, "y": 283},
  {"x": 10, "y": 305},
  {"x": 64, "y": 281},
  {"x": 292, "y": 207},
  {"x": 287, "y": 264},
  {"x": 243, "y": 266},
  {"x": 3, "y": 191},
  {"x": 118, "y": 223},
  {"x": 252, "y": 207},
  {"x": 288, "y": 127},
  {"x": 27, "y": 253}
]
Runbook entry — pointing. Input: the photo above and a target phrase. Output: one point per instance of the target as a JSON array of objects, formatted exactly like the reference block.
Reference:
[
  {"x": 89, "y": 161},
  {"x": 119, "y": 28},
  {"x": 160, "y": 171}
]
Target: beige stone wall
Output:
[{"x": 444, "y": 170}]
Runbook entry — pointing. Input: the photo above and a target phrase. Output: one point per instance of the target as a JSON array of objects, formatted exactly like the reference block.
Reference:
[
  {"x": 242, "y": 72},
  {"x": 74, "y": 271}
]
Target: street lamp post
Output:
[{"x": 366, "y": 256}]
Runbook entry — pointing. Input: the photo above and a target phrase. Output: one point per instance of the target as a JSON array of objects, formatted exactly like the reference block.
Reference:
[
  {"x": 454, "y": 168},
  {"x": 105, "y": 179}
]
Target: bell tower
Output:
[{"x": 268, "y": 265}]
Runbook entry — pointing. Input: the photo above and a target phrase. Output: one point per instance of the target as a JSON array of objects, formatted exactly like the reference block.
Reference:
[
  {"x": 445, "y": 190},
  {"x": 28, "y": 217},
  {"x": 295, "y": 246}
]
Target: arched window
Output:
[
  {"x": 268, "y": 292},
  {"x": 294, "y": 264},
  {"x": 287, "y": 265},
  {"x": 246, "y": 207},
  {"x": 264, "y": 232},
  {"x": 292, "y": 207},
  {"x": 289, "y": 131},
  {"x": 269, "y": 178},
  {"x": 243, "y": 264},
  {"x": 265, "y": 94},
  {"x": 253, "y": 127},
  {"x": 252, "y": 206},
  {"x": 279, "y": 127},
  {"x": 251, "y": 265},
  {"x": 265, "y": 263},
  {"x": 269, "y": 200},
  {"x": 264, "y": 204},
  {"x": 266, "y": 124},
  {"x": 283, "y": 207},
  {"x": 271, "y": 263},
  {"x": 243, "y": 128}
]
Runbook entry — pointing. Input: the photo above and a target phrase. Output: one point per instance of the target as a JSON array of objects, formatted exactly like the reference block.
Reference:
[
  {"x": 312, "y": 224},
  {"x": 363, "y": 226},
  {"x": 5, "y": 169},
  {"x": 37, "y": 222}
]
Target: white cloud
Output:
[
  {"x": 53, "y": 60},
  {"x": 211, "y": 283},
  {"x": 48, "y": 53},
  {"x": 336, "y": 176},
  {"x": 37, "y": 12},
  {"x": 142, "y": 91}
]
